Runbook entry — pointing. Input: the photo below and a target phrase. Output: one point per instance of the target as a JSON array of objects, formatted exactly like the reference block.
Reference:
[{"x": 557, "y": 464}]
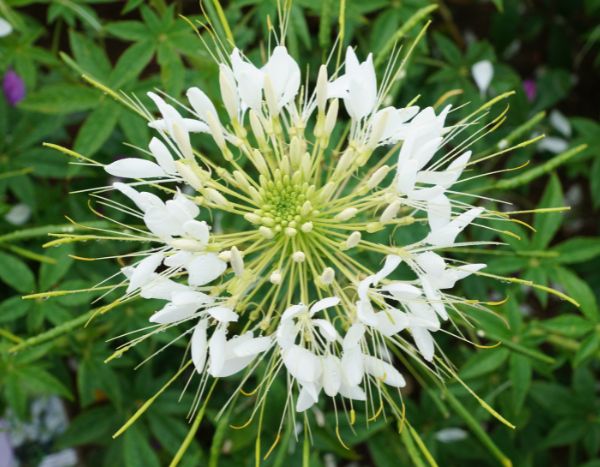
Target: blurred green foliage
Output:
[{"x": 544, "y": 375}]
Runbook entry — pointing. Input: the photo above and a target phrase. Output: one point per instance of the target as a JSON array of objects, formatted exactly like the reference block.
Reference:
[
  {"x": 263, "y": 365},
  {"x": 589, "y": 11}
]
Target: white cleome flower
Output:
[{"x": 260, "y": 253}]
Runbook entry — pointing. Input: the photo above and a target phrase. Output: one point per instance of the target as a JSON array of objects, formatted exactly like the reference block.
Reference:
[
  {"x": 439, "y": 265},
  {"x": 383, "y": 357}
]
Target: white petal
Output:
[
  {"x": 365, "y": 313},
  {"x": 424, "y": 316},
  {"x": 134, "y": 168},
  {"x": 190, "y": 125},
  {"x": 161, "y": 288},
  {"x": 179, "y": 259},
  {"x": 560, "y": 122},
  {"x": 402, "y": 291},
  {"x": 439, "y": 211},
  {"x": 390, "y": 265},
  {"x": 352, "y": 365},
  {"x": 232, "y": 366},
  {"x": 446, "y": 235},
  {"x": 353, "y": 336},
  {"x": 327, "y": 329},
  {"x": 332, "y": 375},
  {"x": 553, "y": 144},
  {"x": 302, "y": 364},
  {"x": 186, "y": 297},
  {"x": 363, "y": 287},
  {"x": 338, "y": 88},
  {"x": 362, "y": 89},
  {"x": 424, "y": 342},
  {"x": 223, "y": 314},
  {"x": 200, "y": 102},
  {"x": 198, "y": 230},
  {"x": 383, "y": 371},
  {"x": 162, "y": 155},
  {"x": 482, "y": 74},
  {"x": 286, "y": 334},
  {"x": 144, "y": 271},
  {"x": 406, "y": 176},
  {"x": 205, "y": 268},
  {"x": 390, "y": 321},
  {"x": 172, "y": 313},
  {"x": 216, "y": 347},
  {"x": 284, "y": 73},
  {"x": 143, "y": 201},
  {"x": 199, "y": 346},
  {"x": 253, "y": 346},
  {"x": 434, "y": 297},
  {"x": 306, "y": 398},
  {"x": 184, "y": 205},
  {"x": 18, "y": 214},
  {"x": 432, "y": 263},
  {"x": 323, "y": 304},
  {"x": 5, "y": 27},
  {"x": 249, "y": 81},
  {"x": 353, "y": 392},
  {"x": 293, "y": 311}
]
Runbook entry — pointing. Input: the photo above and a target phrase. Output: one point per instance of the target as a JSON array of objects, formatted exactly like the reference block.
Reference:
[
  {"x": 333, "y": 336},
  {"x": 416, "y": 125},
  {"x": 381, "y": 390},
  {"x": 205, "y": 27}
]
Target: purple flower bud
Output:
[
  {"x": 530, "y": 89},
  {"x": 13, "y": 87}
]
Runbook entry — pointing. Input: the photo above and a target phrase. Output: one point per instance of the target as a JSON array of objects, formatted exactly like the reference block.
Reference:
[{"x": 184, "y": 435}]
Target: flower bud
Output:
[
  {"x": 252, "y": 218},
  {"x": 215, "y": 197},
  {"x": 257, "y": 128},
  {"x": 266, "y": 232},
  {"x": 228, "y": 91},
  {"x": 189, "y": 175},
  {"x": 390, "y": 212},
  {"x": 346, "y": 214},
  {"x": 307, "y": 227},
  {"x": 182, "y": 139},
  {"x": 331, "y": 117},
  {"x": 275, "y": 277},
  {"x": 322, "y": 89},
  {"x": 298, "y": 256},
  {"x": 377, "y": 176},
  {"x": 236, "y": 261},
  {"x": 328, "y": 276},
  {"x": 352, "y": 240}
]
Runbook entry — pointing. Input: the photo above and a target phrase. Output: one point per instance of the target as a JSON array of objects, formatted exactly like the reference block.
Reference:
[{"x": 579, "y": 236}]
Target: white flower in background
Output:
[
  {"x": 285, "y": 285},
  {"x": 5, "y": 28},
  {"x": 483, "y": 72},
  {"x": 19, "y": 214}
]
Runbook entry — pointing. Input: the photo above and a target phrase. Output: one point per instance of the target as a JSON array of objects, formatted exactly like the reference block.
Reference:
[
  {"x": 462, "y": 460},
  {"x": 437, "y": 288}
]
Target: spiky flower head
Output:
[{"x": 312, "y": 182}]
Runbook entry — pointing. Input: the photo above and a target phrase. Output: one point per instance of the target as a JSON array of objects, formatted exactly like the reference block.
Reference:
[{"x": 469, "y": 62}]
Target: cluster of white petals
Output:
[{"x": 286, "y": 291}]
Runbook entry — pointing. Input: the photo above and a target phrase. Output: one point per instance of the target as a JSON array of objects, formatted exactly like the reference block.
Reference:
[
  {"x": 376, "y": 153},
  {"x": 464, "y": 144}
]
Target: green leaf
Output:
[
  {"x": 131, "y": 63},
  {"x": 97, "y": 128},
  {"x": 50, "y": 274},
  {"x": 16, "y": 273},
  {"x": 137, "y": 452},
  {"x": 595, "y": 182},
  {"x": 13, "y": 308},
  {"x": 94, "y": 425},
  {"x": 89, "y": 56},
  {"x": 520, "y": 377},
  {"x": 60, "y": 99},
  {"x": 568, "y": 325},
  {"x": 39, "y": 381},
  {"x": 129, "y": 30},
  {"x": 483, "y": 362},
  {"x": 587, "y": 349},
  {"x": 565, "y": 432},
  {"x": 578, "y": 250},
  {"x": 546, "y": 224},
  {"x": 15, "y": 396},
  {"x": 450, "y": 52},
  {"x": 578, "y": 289}
]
